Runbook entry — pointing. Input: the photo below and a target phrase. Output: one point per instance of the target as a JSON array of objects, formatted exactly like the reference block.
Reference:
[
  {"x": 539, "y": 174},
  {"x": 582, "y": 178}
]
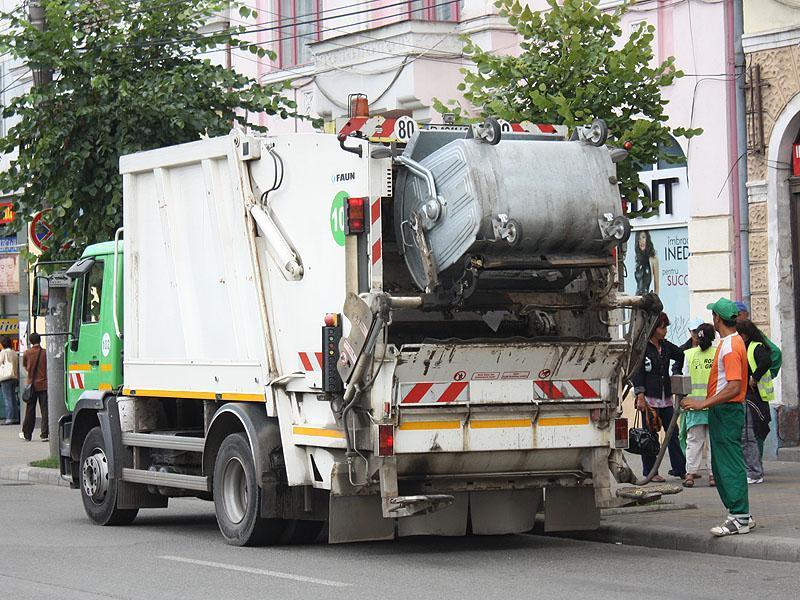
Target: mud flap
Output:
[
  {"x": 501, "y": 512},
  {"x": 358, "y": 519},
  {"x": 449, "y": 521},
  {"x": 570, "y": 509},
  {"x": 136, "y": 495}
]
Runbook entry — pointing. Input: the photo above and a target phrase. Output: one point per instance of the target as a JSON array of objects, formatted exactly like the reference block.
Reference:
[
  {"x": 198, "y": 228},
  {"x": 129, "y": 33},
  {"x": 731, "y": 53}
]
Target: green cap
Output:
[{"x": 725, "y": 308}]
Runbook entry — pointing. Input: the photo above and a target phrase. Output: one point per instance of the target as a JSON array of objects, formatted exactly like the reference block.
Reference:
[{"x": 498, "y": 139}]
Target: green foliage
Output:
[
  {"x": 127, "y": 76},
  {"x": 570, "y": 71}
]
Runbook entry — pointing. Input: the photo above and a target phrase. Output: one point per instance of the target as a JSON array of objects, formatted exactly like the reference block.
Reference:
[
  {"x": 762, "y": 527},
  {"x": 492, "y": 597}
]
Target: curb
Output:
[
  {"x": 752, "y": 545},
  {"x": 33, "y": 475}
]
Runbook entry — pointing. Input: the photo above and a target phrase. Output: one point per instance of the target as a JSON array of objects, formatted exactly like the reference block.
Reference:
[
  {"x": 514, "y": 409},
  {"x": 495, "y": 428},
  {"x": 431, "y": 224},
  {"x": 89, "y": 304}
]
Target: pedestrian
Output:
[
  {"x": 9, "y": 380},
  {"x": 694, "y": 423},
  {"x": 691, "y": 342},
  {"x": 727, "y": 386},
  {"x": 743, "y": 313},
  {"x": 759, "y": 393},
  {"x": 653, "y": 390},
  {"x": 35, "y": 362}
]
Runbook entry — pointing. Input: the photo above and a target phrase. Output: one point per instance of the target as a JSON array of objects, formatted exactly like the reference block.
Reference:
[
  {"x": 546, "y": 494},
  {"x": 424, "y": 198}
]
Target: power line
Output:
[{"x": 294, "y": 23}]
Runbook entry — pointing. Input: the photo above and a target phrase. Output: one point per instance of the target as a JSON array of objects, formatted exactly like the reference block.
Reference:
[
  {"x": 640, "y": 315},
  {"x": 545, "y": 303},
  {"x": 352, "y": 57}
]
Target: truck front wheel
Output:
[
  {"x": 237, "y": 497},
  {"x": 98, "y": 490}
]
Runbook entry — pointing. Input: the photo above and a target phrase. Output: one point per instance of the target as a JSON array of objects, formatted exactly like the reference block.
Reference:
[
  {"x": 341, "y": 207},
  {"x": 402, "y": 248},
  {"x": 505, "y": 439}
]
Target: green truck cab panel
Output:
[{"x": 94, "y": 352}]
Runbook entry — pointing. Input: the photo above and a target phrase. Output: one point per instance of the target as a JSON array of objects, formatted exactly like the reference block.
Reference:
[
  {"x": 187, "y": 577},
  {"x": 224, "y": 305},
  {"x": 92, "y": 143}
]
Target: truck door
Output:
[{"x": 89, "y": 353}]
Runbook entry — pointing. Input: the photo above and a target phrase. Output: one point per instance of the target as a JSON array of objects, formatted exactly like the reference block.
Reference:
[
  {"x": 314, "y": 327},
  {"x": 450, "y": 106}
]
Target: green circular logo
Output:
[{"x": 337, "y": 217}]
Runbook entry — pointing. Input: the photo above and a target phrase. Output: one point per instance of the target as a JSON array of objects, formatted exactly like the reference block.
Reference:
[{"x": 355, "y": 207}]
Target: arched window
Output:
[{"x": 671, "y": 156}]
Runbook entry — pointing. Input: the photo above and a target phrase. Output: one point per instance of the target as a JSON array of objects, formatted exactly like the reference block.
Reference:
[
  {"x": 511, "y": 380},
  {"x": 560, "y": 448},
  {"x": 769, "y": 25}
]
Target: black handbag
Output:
[
  {"x": 28, "y": 394},
  {"x": 644, "y": 440}
]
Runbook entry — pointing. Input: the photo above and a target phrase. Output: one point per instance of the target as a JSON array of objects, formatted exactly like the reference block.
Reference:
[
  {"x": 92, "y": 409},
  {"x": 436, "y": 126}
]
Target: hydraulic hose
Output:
[{"x": 676, "y": 404}]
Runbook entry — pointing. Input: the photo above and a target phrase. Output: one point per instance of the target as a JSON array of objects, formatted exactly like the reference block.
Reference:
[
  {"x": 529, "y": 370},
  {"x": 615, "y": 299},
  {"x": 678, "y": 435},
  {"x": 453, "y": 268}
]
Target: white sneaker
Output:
[
  {"x": 730, "y": 527},
  {"x": 22, "y": 437},
  {"x": 753, "y": 481}
]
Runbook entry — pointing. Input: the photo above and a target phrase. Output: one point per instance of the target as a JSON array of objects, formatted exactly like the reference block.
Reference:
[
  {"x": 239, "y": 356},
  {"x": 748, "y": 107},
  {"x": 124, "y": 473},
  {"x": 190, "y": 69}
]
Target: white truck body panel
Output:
[{"x": 192, "y": 319}]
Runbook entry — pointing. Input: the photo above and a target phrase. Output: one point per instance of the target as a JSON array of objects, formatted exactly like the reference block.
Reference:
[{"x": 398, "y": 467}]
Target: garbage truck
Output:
[{"x": 377, "y": 336}]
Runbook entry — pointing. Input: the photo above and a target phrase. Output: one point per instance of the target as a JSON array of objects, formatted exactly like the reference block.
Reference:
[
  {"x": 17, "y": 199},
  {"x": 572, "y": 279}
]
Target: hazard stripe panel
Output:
[
  {"x": 433, "y": 393},
  {"x": 309, "y": 363},
  {"x": 76, "y": 381},
  {"x": 572, "y": 389},
  {"x": 377, "y": 251}
]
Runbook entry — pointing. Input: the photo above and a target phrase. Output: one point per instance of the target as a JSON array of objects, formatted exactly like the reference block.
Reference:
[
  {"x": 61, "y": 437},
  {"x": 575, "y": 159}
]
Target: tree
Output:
[
  {"x": 128, "y": 76},
  {"x": 571, "y": 70}
]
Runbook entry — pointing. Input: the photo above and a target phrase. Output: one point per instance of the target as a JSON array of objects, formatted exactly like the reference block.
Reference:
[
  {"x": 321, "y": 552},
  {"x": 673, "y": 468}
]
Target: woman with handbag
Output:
[
  {"x": 759, "y": 393},
  {"x": 694, "y": 423},
  {"x": 653, "y": 391},
  {"x": 9, "y": 380}
]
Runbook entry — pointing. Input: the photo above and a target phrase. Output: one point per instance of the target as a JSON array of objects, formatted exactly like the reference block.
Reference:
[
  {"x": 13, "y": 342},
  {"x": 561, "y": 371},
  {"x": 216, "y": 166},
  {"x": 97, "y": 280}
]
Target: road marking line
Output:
[{"x": 254, "y": 571}]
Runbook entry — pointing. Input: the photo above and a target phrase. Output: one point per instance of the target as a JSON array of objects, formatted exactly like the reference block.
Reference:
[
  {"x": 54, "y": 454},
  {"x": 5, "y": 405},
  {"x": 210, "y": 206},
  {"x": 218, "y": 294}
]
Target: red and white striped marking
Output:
[
  {"x": 546, "y": 389},
  {"x": 375, "y": 219},
  {"x": 379, "y": 129},
  {"x": 311, "y": 361},
  {"x": 76, "y": 381},
  {"x": 434, "y": 393}
]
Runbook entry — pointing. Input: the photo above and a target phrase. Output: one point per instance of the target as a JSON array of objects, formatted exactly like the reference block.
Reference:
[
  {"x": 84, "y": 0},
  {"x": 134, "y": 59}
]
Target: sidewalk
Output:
[
  {"x": 682, "y": 521},
  {"x": 16, "y": 456},
  {"x": 679, "y": 522}
]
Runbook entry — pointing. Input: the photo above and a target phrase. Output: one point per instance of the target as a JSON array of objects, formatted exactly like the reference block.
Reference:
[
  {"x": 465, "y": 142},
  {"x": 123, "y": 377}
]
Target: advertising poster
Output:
[
  {"x": 9, "y": 273},
  {"x": 657, "y": 261}
]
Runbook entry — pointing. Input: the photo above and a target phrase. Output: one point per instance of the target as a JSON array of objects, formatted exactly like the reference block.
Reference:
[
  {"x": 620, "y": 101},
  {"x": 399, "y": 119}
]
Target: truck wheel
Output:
[
  {"x": 237, "y": 497},
  {"x": 98, "y": 490}
]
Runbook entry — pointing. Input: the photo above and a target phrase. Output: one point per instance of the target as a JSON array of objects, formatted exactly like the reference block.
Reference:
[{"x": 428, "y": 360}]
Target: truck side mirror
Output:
[{"x": 41, "y": 292}]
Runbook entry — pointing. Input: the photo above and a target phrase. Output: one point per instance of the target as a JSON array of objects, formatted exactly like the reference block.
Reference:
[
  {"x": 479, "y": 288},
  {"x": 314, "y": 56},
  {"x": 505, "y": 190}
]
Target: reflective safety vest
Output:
[
  {"x": 699, "y": 364},
  {"x": 765, "y": 387}
]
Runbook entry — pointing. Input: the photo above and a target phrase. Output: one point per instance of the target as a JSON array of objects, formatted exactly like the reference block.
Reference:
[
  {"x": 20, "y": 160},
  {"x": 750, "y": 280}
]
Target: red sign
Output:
[
  {"x": 6, "y": 213},
  {"x": 40, "y": 231}
]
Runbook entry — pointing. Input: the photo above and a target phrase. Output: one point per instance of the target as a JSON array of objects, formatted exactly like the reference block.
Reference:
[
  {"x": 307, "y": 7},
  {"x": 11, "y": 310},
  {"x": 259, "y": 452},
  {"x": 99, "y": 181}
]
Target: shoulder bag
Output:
[{"x": 6, "y": 367}]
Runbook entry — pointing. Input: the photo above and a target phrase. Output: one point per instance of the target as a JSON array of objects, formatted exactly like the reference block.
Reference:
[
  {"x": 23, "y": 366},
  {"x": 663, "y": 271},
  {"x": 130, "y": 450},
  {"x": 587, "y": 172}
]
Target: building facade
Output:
[{"x": 772, "y": 58}]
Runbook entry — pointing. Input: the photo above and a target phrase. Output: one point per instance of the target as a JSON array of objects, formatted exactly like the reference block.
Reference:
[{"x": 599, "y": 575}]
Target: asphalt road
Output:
[{"x": 48, "y": 550}]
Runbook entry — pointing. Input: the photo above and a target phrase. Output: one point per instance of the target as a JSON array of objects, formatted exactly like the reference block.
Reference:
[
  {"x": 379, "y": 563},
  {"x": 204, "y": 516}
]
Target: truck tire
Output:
[
  {"x": 98, "y": 490},
  {"x": 237, "y": 497}
]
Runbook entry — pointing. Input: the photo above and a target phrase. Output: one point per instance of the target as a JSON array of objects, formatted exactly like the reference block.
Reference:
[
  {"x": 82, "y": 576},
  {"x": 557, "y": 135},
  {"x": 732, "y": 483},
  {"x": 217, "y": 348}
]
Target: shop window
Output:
[
  {"x": 433, "y": 10},
  {"x": 300, "y": 25}
]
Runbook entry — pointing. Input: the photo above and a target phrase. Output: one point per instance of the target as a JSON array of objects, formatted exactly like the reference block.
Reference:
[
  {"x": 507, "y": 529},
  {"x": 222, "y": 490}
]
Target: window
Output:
[
  {"x": 92, "y": 294},
  {"x": 433, "y": 10},
  {"x": 300, "y": 25}
]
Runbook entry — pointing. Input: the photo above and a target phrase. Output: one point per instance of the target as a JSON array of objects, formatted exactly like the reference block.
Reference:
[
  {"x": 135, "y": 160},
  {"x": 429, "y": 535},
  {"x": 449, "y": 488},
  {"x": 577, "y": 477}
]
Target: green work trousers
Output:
[{"x": 725, "y": 422}]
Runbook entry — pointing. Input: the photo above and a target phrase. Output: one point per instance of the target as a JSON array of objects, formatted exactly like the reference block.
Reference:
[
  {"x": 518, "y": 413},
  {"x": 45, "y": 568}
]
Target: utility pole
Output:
[
  {"x": 56, "y": 320},
  {"x": 36, "y": 17},
  {"x": 55, "y": 324}
]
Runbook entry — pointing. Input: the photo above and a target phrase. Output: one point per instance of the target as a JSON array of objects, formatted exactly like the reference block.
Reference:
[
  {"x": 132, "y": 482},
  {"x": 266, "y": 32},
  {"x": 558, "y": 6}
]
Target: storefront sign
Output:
[
  {"x": 6, "y": 213},
  {"x": 9, "y": 326},
  {"x": 8, "y": 244}
]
